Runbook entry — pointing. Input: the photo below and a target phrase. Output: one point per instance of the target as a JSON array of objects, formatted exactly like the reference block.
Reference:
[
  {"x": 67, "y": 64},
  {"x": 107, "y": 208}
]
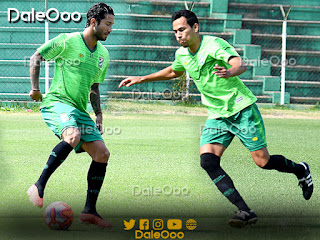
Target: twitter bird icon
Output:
[{"x": 129, "y": 225}]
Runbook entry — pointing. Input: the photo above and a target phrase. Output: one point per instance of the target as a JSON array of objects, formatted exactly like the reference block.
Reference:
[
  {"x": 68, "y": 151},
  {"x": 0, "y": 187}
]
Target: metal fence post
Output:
[
  {"x": 46, "y": 40},
  {"x": 187, "y": 85},
  {"x": 283, "y": 55}
]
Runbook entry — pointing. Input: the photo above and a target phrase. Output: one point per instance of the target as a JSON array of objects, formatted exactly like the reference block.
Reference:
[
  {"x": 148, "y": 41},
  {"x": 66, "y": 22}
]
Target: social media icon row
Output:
[{"x": 157, "y": 224}]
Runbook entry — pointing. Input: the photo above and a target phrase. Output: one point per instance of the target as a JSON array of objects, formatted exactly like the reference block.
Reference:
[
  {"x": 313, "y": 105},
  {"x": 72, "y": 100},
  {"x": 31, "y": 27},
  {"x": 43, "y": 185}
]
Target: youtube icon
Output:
[{"x": 174, "y": 224}]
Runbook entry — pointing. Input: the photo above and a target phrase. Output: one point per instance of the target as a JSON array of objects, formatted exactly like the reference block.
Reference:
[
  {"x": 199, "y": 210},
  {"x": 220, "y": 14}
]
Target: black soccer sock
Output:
[
  {"x": 95, "y": 179},
  {"x": 57, "y": 156},
  {"x": 282, "y": 164},
  {"x": 211, "y": 163}
]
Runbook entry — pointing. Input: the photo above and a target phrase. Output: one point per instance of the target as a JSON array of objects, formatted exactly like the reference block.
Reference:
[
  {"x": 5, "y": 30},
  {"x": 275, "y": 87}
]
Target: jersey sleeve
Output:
[
  {"x": 176, "y": 65},
  {"x": 223, "y": 50},
  {"x": 53, "y": 48}
]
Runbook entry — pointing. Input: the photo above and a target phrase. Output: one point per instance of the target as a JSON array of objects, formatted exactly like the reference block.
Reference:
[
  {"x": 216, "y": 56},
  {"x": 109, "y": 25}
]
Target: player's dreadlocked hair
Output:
[
  {"x": 189, "y": 15},
  {"x": 98, "y": 11}
]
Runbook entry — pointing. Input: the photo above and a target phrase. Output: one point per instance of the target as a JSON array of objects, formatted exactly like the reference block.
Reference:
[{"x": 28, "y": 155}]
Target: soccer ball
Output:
[{"x": 58, "y": 216}]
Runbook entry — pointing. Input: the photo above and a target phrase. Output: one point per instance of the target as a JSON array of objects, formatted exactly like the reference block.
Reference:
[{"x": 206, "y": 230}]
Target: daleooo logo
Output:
[{"x": 52, "y": 15}]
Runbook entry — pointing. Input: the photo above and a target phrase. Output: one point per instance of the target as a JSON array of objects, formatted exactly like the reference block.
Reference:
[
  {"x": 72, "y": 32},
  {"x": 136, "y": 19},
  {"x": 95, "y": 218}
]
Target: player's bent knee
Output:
[
  {"x": 102, "y": 156},
  {"x": 72, "y": 136},
  {"x": 260, "y": 161},
  {"x": 261, "y": 157},
  {"x": 209, "y": 161},
  {"x": 262, "y": 164}
]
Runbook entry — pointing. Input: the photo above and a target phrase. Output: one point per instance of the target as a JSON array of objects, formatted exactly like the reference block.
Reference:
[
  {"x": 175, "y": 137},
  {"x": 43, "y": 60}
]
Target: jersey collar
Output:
[{"x": 95, "y": 48}]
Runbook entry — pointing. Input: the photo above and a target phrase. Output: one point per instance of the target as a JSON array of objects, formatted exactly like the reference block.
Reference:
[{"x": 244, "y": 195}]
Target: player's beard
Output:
[{"x": 100, "y": 35}]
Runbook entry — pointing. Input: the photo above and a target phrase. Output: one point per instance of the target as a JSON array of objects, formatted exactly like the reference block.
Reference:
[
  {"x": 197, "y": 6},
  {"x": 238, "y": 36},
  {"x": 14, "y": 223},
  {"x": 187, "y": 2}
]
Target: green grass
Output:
[{"x": 154, "y": 151}]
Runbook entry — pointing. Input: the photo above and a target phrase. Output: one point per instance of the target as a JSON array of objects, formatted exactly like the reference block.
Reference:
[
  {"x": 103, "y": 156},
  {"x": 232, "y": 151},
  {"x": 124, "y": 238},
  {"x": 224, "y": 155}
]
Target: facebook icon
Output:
[{"x": 144, "y": 224}]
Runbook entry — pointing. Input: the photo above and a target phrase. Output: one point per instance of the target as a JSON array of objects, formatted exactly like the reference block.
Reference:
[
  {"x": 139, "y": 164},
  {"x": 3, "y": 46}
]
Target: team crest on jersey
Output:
[
  {"x": 100, "y": 62},
  {"x": 201, "y": 59},
  {"x": 81, "y": 55}
]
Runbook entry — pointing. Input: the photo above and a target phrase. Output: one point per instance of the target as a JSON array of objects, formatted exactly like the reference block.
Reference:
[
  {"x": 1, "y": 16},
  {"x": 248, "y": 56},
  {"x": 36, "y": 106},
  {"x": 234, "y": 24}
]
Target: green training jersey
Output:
[
  {"x": 223, "y": 97},
  {"x": 77, "y": 68}
]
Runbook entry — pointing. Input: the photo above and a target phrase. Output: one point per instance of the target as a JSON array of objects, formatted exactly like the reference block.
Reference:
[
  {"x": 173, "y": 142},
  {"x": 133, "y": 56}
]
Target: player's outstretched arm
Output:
[
  {"x": 34, "y": 67},
  {"x": 164, "y": 74},
  {"x": 238, "y": 66}
]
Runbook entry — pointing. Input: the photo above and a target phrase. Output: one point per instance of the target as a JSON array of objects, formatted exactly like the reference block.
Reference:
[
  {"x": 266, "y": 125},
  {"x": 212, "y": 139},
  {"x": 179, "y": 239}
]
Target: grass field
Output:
[{"x": 153, "y": 150}]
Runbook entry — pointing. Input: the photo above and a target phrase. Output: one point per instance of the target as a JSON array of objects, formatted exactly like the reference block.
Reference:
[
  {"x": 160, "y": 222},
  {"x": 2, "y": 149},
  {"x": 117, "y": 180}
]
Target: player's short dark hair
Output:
[
  {"x": 98, "y": 12},
  {"x": 189, "y": 15}
]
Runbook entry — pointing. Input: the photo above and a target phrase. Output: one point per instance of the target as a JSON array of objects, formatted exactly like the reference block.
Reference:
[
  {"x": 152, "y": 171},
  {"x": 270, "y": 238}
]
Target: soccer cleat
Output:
[
  {"x": 34, "y": 196},
  {"x": 306, "y": 182},
  {"x": 243, "y": 218},
  {"x": 94, "y": 219}
]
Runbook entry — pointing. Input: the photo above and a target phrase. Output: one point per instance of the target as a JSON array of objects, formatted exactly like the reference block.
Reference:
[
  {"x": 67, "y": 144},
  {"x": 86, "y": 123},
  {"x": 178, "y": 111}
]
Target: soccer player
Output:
[
  {"x": 214, "y": 66},
  {"x": 81, "y": 63}
]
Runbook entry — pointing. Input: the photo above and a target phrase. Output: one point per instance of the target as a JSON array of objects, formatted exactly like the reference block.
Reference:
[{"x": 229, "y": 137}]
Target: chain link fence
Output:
[
  {"x": 143, "y": 42},
  {"x": 302, "y": 71},
  {"x": 22, "y": 33}
]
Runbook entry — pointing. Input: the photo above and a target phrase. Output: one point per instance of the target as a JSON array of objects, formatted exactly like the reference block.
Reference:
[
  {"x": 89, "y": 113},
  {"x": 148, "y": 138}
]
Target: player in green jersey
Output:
[
  {"x": 81, "y": 63},
  {"x": 214, "y": 66}
]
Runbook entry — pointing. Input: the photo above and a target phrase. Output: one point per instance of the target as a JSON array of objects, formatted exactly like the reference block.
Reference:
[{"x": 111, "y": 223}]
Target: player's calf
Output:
[
  {"x": 211, "y": 163},
  {"x": 282, "y": 164}
]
